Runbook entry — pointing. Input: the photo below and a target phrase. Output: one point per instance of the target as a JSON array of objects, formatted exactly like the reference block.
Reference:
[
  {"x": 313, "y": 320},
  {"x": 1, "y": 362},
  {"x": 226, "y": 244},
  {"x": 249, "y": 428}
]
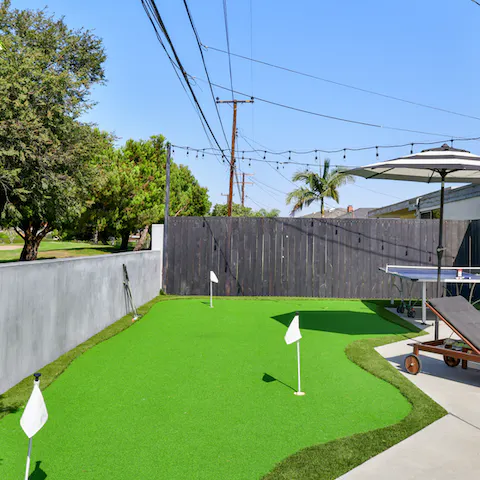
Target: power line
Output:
[
  {"x": 225, "y": 17},
  {"x": 293, "y": 183},
  {"x": 475, "y": 1},
  {"x": 257, "y": 203},
  {"x": 153, "y": 14},
  {"x": 199, "y": 44},
  {"x": 150, "y": 13},
  {"x": 345, "y": 85},
  {"x": 331, "y": 117}
]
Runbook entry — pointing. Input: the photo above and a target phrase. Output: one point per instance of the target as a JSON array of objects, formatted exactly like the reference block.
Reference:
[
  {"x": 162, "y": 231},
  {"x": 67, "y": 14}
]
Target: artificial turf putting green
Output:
[{"x": 191, "y": 392}]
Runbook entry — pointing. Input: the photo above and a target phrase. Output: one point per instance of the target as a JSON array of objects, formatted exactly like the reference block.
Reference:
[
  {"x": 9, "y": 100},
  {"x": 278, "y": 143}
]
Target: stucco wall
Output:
[{"x": 48, "y": 307}]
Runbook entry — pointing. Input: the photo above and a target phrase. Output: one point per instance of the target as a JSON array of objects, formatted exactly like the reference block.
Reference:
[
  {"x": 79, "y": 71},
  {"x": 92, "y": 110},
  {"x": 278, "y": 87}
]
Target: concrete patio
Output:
[{"x": 447, "y": 449}]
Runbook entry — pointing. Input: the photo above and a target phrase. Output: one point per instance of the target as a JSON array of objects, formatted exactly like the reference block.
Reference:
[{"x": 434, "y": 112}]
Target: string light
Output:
[{"x": 345, "y": 149}]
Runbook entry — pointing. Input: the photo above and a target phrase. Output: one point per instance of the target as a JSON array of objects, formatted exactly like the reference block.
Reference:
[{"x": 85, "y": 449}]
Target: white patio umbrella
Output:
[{"x": 439, "y": 165}]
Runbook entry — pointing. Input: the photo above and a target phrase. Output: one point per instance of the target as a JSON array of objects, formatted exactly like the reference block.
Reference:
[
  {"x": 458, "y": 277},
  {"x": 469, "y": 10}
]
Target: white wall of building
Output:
[
  {"x": 157, "y": 245},
  {"x": 468, "y": 209}
]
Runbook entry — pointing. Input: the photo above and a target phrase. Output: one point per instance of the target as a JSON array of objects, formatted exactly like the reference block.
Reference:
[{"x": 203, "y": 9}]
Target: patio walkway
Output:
[{"x": 446, "y": 449}]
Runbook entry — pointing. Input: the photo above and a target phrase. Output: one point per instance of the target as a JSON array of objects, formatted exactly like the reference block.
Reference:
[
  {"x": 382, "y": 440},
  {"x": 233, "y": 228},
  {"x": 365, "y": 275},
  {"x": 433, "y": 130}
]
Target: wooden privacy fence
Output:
[{"x": 303, "y": 256}]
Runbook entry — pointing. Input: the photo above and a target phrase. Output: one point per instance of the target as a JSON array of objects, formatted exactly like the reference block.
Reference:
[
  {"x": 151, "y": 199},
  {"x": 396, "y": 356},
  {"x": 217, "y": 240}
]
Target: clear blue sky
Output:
[{"x": 424, "y": 51}]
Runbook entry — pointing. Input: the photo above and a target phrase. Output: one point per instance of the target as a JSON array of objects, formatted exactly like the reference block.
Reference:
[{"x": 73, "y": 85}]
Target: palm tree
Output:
[{"x": 317, "y": 187}]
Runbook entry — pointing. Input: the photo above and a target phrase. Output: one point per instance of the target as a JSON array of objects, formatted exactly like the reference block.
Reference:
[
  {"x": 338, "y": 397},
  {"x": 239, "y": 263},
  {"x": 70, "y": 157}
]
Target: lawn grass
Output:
[
  {"x": 183, "y": 394},
  {"x": 58, "y": 249}
]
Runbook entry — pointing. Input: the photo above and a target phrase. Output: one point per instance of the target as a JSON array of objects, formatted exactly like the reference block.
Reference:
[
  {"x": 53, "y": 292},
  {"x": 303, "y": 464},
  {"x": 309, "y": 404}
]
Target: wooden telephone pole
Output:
[
  {"x": 243, "y": 183},
  {"x": 232, "y": 159}
]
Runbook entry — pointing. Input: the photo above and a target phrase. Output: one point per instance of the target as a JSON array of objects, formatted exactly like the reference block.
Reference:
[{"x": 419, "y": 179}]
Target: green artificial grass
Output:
[
  {"x": 332, "y": 459},
  {"x": 194, "y": 392}
]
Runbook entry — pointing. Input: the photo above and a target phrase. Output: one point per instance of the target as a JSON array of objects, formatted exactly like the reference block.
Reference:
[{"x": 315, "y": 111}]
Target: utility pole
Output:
[
  {"x": 232, "y": 159},
  {"x": 243, "y": 182}
]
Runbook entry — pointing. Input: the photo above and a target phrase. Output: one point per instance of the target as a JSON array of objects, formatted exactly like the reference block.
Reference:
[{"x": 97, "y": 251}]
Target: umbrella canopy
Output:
[
  {"x": 434, "y": 165},
  {"x": 443, "y": 164}
]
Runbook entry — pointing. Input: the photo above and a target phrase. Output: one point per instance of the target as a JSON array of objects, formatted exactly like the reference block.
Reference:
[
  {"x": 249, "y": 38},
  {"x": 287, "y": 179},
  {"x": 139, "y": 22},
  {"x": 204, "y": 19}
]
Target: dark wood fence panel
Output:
[{"x": 306, "y": 257}]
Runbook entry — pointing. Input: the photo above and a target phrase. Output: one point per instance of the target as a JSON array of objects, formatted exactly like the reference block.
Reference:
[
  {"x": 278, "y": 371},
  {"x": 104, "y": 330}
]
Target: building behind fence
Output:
[{"x": 304, "y": 256}]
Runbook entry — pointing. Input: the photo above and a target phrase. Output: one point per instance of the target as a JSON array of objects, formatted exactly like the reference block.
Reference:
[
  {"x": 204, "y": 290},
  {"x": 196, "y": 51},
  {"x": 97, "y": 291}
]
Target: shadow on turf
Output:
[
  {"x": 341, "y": 321},
  {"x": 268, "y": 379},
  {"x": 8, "y": 408},
  {"x": 38, "y": 473}
]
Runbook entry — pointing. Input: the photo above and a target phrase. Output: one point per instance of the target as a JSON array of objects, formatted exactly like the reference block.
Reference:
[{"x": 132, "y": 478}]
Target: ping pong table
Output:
[{"x": 459, "y": 276}]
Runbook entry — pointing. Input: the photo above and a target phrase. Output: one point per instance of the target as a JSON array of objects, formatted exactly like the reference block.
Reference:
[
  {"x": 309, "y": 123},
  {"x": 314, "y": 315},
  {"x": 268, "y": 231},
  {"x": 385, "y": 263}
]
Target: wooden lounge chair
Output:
[{"x": 464, "y": 320}]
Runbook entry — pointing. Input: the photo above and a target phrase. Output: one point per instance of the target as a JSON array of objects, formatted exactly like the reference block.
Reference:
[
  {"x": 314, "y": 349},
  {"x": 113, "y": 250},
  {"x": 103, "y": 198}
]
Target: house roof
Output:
[
  {"x": 334, "y": 213},
  {"x": 430, "y": 201},
  {"x": 358, "y": 213}
]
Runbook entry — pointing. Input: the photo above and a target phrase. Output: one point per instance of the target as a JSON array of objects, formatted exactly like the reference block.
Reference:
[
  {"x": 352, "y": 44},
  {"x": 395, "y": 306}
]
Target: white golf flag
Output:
[
  {"x": 213, "y": 277},
  {"x": 293, "y": 333},
  {"x": 35, "y": 414}
]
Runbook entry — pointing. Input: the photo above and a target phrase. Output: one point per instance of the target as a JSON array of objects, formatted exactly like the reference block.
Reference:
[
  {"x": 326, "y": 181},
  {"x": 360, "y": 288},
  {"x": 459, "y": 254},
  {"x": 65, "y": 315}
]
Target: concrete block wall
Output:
[{"x": 48, "y": 307}]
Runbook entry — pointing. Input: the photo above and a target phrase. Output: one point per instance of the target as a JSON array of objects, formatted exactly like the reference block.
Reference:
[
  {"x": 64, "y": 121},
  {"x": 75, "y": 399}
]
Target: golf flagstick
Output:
[
  {"x": 34, "y": 417},
  {"x": 293, "y": 335},
  {"x": 27, "y": 469},
  {"x": 299, "y": 391},
  {"x": 213, "y": 279}
]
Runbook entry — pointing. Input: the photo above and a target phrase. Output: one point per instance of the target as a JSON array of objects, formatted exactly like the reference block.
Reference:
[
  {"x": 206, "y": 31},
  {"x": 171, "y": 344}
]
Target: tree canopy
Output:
[
  {"x": 317, "y": 187},
  {"x": 221, "y": 210},
  {"x": 129, "y": 194},
  {"x": 46, "y": 74}
]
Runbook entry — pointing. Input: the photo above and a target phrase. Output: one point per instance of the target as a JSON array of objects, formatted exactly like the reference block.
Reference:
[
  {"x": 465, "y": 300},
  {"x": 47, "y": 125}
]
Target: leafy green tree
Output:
[
  {"x": 130, "y": 192},
  {"x": 274, "y": 212},
  {"x": 317, "y": 187},
  {"x": 221, "y": 210},
  {"x": 46, "y": 74}
]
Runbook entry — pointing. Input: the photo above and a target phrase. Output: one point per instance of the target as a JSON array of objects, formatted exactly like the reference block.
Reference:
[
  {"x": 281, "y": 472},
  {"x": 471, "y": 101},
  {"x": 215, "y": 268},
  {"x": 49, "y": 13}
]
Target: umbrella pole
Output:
[{"x": 440, "y": 247}]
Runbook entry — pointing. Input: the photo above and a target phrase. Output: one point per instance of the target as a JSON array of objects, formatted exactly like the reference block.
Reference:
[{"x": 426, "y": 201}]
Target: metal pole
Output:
[
  {"x": 440, "y": 247},
  {"x": 298, "y": 358},
  {"x": 211, "y": 294},
  {"x": 165, "y": 222},
  {"x": 28, "y": 458},
  {"x": 299, "y": 392},
  {"x": 243, "y": 189},
  {"x": 232, "y": 160},
  {"x": 424, "y": 302}
]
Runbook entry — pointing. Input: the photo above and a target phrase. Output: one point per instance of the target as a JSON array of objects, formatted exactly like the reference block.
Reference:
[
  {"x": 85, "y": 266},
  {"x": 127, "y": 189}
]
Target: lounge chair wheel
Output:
[
  {"x": 412, "y": 313},
  {"x": 412, "y": 364},
  {"x": 450, "y": 361},
  {"x": 401, "y": 309}
]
